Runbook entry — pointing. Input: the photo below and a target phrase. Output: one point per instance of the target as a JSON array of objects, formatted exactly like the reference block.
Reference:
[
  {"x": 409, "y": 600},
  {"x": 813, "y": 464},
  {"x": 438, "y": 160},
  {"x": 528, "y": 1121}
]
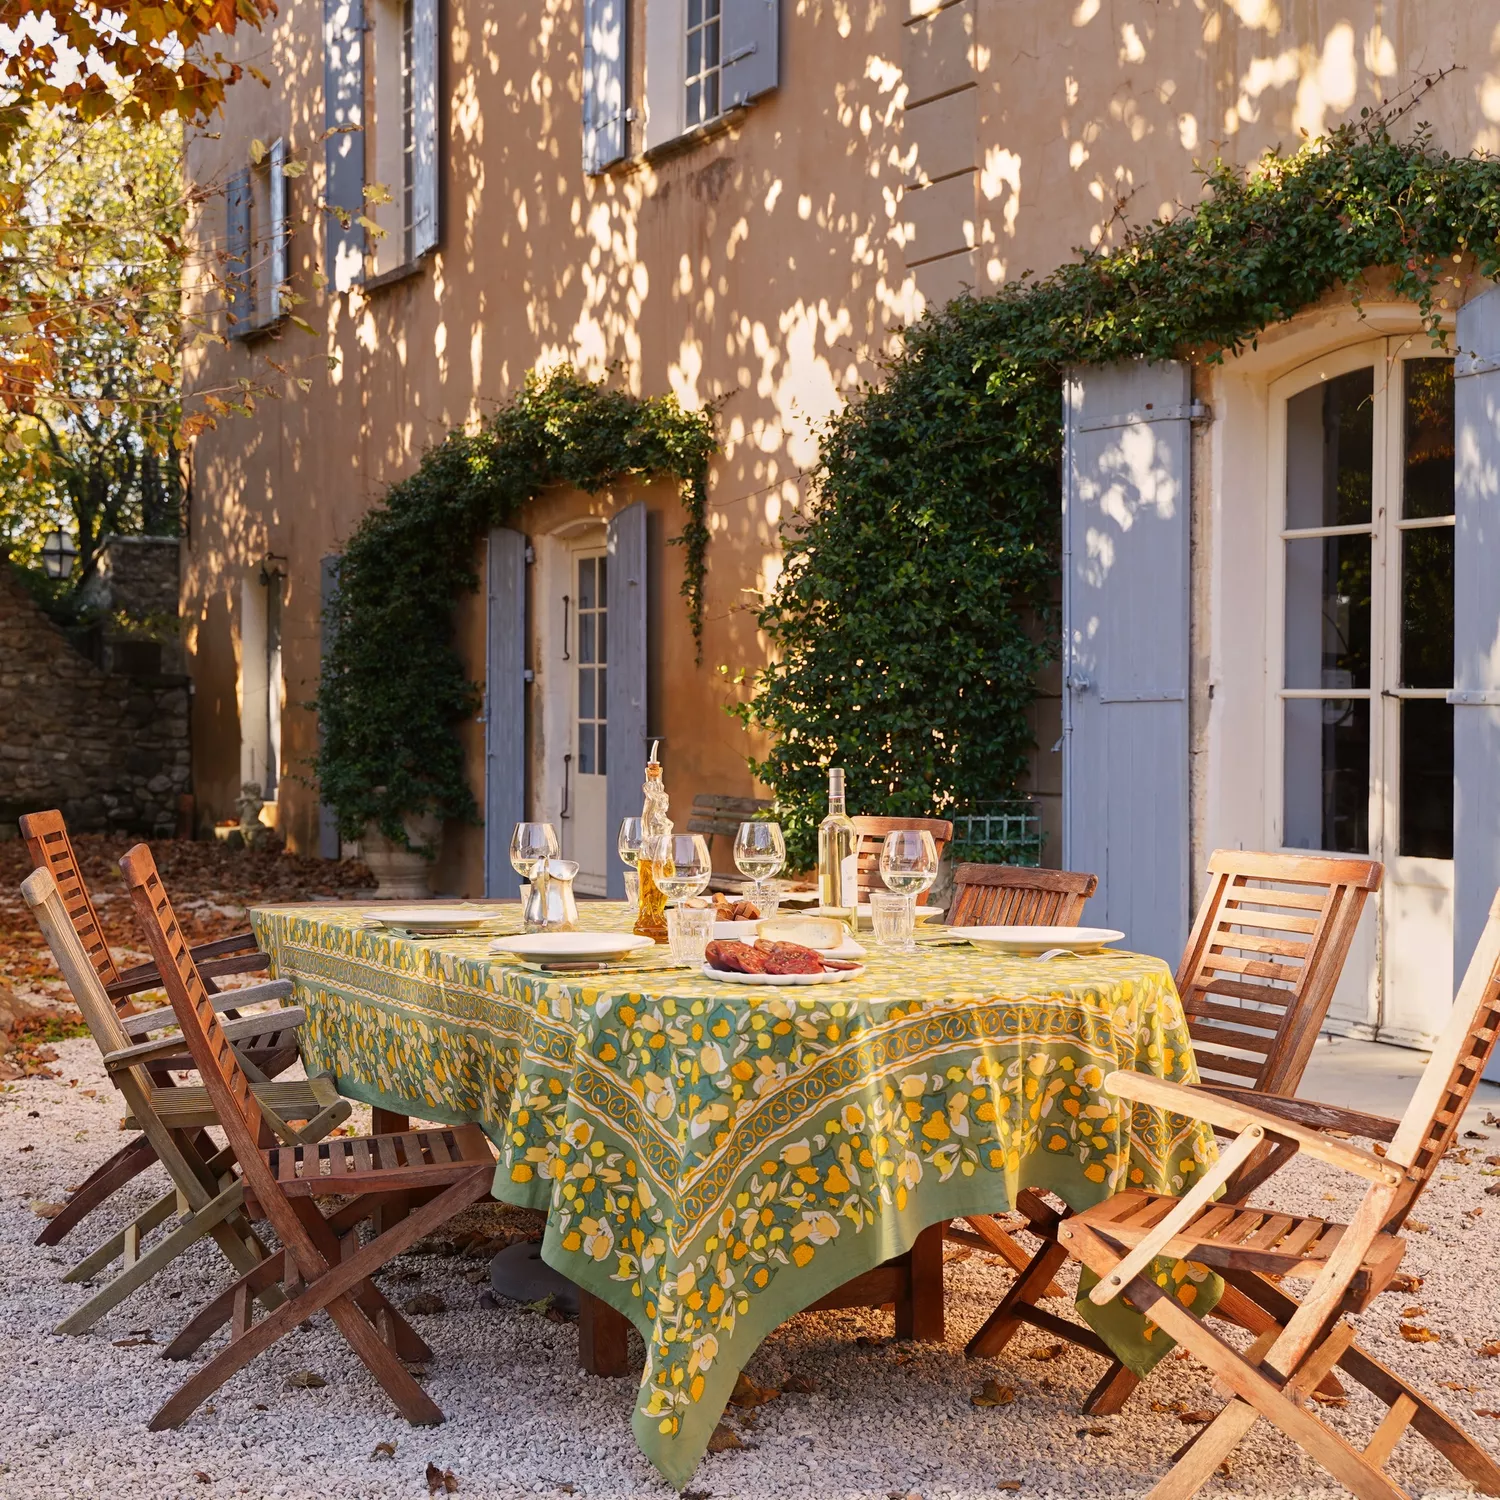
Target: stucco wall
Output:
[{"x": 910, "y": 150}]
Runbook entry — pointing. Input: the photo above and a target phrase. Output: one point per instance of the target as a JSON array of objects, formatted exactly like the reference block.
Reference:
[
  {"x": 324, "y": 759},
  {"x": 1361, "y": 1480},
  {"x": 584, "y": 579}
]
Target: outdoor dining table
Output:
[{"x": 713, "y": 1157}]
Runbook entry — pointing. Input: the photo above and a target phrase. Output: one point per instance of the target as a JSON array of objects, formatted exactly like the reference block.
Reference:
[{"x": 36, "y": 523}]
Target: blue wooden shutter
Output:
[
  {"x": 344, "y": 146},
  {"x": 750, "y": 50},
  {"x": 625, "y": 600},
  {"x": 237, "y": 273},
  {"x": 603, "y": 83},
  {"x": 1125, "y": 663},
  {"x": 505, "y": 709},
  {"x": 280, "y": 229},
  {"x": 1476, "y": 626},
  {"x": 329, "y": 843},
  {"x": 426, "y": 173}
]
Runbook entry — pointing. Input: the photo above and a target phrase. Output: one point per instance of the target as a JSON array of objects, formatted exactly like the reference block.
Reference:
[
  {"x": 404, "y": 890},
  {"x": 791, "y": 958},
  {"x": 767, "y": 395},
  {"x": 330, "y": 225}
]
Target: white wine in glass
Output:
[
  {"x": 759, "y": 854},
  {"x": 909, "y": 862},
  {"x": 680, "y": 865}
]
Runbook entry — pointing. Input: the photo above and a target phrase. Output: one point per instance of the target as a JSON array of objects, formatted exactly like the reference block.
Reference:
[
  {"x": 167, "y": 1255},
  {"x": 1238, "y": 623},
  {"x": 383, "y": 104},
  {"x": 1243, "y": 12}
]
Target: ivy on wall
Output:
[
  {"x": 914, "y": 609},
  {"x": 393, "y": 689}
]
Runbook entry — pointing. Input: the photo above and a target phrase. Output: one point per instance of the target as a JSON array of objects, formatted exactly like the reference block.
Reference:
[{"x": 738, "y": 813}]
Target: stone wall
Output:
[{"x": 110, "y": 748}]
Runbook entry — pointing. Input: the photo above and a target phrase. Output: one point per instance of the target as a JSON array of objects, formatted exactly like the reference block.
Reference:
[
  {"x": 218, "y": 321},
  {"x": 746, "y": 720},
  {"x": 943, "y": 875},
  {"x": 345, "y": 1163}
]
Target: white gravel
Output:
[{"x": 883, "y": 1419}]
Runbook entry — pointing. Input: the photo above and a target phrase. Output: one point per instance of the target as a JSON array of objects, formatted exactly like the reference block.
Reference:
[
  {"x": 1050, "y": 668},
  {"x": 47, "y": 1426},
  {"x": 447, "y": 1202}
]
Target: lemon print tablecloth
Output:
[{"x": 712, "y": 1158}]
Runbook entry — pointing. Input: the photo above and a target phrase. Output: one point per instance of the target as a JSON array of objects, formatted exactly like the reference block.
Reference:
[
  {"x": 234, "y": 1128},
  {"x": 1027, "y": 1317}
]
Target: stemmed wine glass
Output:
[
  {"x": 533, "y": 847},
  {"x": 632, "y": 836},
  {"x": 680, "y": 865},
  {"x": 909, "y": 866},
  {"x": 759, "y": 855}
]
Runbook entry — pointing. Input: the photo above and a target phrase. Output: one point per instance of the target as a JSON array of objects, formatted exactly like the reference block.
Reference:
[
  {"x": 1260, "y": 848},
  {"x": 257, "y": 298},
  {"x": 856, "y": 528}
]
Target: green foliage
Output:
[
  {"x": 393, "y": 688},
  {"x": 913, "y": 612}
]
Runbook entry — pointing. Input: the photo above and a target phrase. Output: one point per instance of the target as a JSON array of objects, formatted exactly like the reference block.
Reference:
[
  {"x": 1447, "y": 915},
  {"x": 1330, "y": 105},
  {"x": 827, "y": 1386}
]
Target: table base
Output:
[{"x": 912, "y": 1284}]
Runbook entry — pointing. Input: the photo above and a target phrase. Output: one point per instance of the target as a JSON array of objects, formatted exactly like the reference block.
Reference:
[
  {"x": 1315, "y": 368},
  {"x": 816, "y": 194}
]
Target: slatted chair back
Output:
[
  {"x": 1012, "y": 896},
  {"x": 1263, "y": 959},
  {"x": 869, "y": 835},
  {"x": 213, "y": 1055},
  {"x": 1453, "y": 1072},
  {"x": 47, "y": 841}
]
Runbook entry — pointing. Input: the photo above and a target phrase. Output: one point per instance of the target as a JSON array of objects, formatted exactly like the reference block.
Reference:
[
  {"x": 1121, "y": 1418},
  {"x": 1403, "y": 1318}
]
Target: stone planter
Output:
[{"x": 403, "y": 874}]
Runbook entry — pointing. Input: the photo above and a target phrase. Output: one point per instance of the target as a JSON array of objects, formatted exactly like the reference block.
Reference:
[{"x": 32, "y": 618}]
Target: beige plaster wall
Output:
[{"x": 911, "y": 150}]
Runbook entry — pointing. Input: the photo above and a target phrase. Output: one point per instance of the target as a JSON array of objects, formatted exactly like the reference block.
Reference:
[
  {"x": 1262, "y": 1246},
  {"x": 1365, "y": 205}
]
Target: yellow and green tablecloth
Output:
[{"x": 713, "y": 1158}]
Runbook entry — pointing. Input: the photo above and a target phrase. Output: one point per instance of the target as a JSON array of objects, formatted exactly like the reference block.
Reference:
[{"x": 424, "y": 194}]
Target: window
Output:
[
  {"x": 394, "y": 131},
  {"x": 1367, "y": 554},
  {"x": 702, "y": 62},
  {"x": 593, "y": 657},
  {"x": 257, "y": 243},
  {"x": 260, "y": 677}
]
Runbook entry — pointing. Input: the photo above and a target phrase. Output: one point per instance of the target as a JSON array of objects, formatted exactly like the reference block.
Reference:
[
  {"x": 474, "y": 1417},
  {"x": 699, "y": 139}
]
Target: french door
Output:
[
  {"x": 585, "y": 832},
  {"x": 1362, "y": 579}
]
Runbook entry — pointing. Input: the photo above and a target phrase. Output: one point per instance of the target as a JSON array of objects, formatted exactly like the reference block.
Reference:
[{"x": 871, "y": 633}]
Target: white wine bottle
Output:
[{"x": 838, "y": 883}]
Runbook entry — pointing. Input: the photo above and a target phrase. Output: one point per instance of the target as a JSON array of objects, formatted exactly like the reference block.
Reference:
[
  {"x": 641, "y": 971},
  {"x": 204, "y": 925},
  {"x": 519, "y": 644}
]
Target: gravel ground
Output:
[{"x": 878, "y": 1418}]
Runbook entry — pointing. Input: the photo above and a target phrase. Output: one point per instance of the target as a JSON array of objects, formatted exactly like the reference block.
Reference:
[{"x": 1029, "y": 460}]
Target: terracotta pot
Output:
[{"x": 403, "y": 874}]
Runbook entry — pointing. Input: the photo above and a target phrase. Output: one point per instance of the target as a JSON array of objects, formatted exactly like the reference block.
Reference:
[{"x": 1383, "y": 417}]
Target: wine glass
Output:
[
  {"x": 533, "y": 846},
  {"x": 632, "y": 836},
  {"x": 759, "y": 854},
  {"x": 909, "y": 864},
  {"x": 680, "y": 865}
]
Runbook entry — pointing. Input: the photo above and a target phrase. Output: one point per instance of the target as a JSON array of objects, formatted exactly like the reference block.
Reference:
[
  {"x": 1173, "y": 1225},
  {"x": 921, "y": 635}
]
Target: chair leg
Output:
[
  {"x": 114, "y": 1247},
  {"x": 128, "y": 1162},
  {"x": 1112, "y": 1392},
  {"x": 1026, "y": 1290}
]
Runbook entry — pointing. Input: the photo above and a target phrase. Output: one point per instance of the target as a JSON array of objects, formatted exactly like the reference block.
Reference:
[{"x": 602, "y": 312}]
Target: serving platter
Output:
[
  {"x": 575, "y": 946},
  {"x": 1030, "y": 942},
  {"x": 828, "y": 976},
  {"x": 432, "y": 919}
]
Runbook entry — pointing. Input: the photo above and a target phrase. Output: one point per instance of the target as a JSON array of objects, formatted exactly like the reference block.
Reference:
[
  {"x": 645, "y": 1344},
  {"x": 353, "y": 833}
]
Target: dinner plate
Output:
[
  {"x": 828, "y": 976},
  {"x": 576, "y": 945},
  {"x": 1029, "y": 941},
  {"x": 432, "y": 918}
]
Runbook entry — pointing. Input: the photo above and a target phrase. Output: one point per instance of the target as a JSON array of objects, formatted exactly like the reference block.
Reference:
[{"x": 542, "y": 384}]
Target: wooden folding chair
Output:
[
  {"x": 1348, "y": 1264},
  {"x": 869, "y": 839},
  {"x": 206, "y": 1198},
  {"x": 322, "y": 1265},
  {"x": 1256, "y": 980},
  {"x": 269, "y": 1051}
]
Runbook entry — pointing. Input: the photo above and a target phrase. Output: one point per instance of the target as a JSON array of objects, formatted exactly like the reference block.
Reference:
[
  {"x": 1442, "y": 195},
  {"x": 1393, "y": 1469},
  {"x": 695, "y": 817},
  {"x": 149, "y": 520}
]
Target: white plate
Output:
[
  {"x": 564, "y": 945},
  {"x": 421, "y": 918},
  {"x": 828, "y": 976},
  {"x": 1033, "y": 940},
  {"x": 924, "y": 913}
]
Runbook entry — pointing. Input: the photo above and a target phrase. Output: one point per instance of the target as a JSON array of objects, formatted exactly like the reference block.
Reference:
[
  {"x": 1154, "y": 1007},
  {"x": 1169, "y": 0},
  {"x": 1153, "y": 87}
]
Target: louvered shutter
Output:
[
  {"x": 329, "y": 843},
  {"x": 237, "y": 273},
  {"x": 505, "y": 709},
  {"x": 625, "y": 701},
  {"x": 1125, "y": 666},
  {"x": 603, "y": 83},
  {"x": 426, "y": 160},
  {"x": 344, "y": 147},
  {"x": 749, "y": 49},
  {"x": 1476, "y": 626},
  {"x": 281, "y": 229}
]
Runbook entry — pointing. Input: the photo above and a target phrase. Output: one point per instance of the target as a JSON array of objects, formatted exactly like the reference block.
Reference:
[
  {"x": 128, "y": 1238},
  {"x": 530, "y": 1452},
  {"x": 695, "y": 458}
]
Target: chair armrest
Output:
[
  {"x": 173, "y": 1046},
  {"x": 148, "y": 976},
  {"x": 1197, "y": 1104},
  {"x": 254, "y": 994},
  {"x": 1309, "y": 1112},
  {"x": 240, "y": 942}
]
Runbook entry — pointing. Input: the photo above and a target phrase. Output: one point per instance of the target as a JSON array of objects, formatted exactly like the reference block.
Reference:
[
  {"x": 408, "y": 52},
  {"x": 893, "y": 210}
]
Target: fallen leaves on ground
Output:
[
  {"x": 747, "y": 1394},
  {"x": 1335, "y": 1401},
  {"x": 1413, "y": 1312},
  {"x": 202, "y": 1478},
  {"x": 992, "y": 1393},
  {"x": 723, "y": 1438},
  {"x": 1491, "y": 1349},
  {"x": 304, "y": 1380},
  {"x": 1418, "y": 1226},
  {"x": 1170, "y": 1406},
  {"x": 1485, "y": 1411},
  {"x": 1048, "y": 1351},
  {"x": 384, "y": 1450},
  {"x": 1417, "y": 1335},
  {"x": 1456, "y": 1385},
  {"x": 138, "y": 1337},
  {"x": 1094, "y": 1432},
  {"x": 1406, "y": 1282},
  {"x": 1009, "y": 1484},
  {"x": 1196, "y": 1418},
  {"x": 798, "y": 1385},
  {"x": 441, "y": 1481},
  {"x": 44, "y": 1210},
  {"x": 424, "y": 1302}
]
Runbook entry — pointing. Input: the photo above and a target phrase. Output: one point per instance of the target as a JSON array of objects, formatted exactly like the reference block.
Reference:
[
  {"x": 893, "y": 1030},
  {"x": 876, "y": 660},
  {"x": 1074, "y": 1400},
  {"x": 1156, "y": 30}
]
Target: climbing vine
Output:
[
  {"x": 914, "y": 610},
  {"x": 393, "y": 688}
]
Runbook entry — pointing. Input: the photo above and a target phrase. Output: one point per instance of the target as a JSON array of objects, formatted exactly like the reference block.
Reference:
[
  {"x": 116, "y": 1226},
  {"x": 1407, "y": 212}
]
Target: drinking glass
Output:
[
  {"x": 909, "y": 865},
  {"x": 632, "y": 835},
  {"x": 532, "y": 847},
  {"x": 760, "y": 854},
  {"x": 893, "y": 920},
  {"x": 680, "y": 865},
  {"x": 689, "y": 929}
]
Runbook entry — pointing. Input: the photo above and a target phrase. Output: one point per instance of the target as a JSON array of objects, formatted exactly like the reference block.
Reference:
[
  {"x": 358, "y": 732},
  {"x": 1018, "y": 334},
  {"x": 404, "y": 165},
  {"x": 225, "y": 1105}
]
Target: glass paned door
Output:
[
  {"x": 585, "y": 837},
  {"x": 1365, "y": 568}
]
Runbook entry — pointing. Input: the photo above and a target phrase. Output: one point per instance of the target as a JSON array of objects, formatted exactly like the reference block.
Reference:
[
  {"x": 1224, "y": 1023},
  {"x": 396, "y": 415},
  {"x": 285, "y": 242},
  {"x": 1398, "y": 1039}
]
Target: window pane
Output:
[
  {"x": 1330, "y": 452},
  {"x": 586, "y": 638},
  {"x": 586, "y": 749},
  {"x": 1427, "y": 607},
  {"x": 695, "y": 12},
  {"x": 1327, "y": 774},
  {"x": 601, "y": 705},
  {"x": 711, "y": 93},
  {"x": 603, "y": 583},
  {"x": 585, "y": 693},
  {"x": 1427, "y": 436},
  {"x": 712, "y": 8},
  {"x": 694, "y": 54},
  {"x": 1427, "y": 778},
  {"x": 603, "y": 760},
  {"x": 694, "y": 94},
  {"x": 603, "y": 620},
  {"x": 1328, "y": 612},
  {"x": 586, "y": 583}
]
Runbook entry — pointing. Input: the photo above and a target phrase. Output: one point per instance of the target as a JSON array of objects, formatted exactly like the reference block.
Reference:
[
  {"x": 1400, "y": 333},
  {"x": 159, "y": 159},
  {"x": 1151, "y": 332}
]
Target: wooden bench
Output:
[{"x": 712, "y": 815}]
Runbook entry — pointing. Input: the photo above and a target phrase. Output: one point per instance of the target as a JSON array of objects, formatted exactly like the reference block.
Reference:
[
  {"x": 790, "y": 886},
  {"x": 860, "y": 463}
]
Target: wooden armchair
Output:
[
  {"x": 1013, "y": 896},
  {"x": 1256, "y": 979},
  {"x": 1299, "y": 1343},
  {"x": 869, "y": 834}
]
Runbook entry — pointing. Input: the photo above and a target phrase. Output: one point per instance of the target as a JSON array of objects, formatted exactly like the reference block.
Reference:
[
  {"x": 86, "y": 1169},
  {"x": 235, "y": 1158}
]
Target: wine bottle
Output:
[{"x": 838, "y": 883}]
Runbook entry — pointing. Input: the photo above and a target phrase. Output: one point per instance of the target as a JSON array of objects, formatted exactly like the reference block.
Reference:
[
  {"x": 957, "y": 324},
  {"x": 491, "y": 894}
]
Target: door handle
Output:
[
  {"x": 566, "y": 602},
  {"x": 567, "y": 773}
]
